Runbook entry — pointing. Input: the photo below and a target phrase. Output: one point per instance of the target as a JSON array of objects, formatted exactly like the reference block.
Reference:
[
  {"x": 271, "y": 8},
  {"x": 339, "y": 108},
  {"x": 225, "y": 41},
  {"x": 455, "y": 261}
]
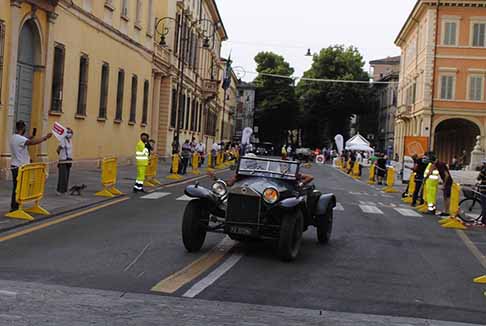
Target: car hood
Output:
[{"x": 259, "y": 184}]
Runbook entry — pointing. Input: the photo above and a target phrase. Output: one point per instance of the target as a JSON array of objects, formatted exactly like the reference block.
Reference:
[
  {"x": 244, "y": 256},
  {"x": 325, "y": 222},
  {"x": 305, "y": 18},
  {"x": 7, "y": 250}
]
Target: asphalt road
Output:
[{"x": 382, "y": 260}]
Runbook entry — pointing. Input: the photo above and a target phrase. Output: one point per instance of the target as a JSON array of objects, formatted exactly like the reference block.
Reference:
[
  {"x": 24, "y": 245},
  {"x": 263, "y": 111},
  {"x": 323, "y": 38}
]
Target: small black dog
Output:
[{"x": 76, "y": 189}]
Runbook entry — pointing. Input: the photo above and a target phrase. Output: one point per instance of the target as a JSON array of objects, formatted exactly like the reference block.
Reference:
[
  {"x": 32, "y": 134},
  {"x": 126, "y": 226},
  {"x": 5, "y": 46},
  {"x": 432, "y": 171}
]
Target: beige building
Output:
[
  {"x": 442, "y": 78},
  {"x": 98, "y": 67}
]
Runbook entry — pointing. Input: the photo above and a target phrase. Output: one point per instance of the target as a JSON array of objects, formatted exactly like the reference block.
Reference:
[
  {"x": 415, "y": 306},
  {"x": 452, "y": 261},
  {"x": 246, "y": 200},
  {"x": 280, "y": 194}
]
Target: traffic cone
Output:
[
  {"x": 480, "y": 279},
  {"x": 454, "y": 224}
]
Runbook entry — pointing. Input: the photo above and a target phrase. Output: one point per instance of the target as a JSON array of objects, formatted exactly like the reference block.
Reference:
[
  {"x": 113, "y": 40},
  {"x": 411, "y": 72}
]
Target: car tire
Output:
[
  {"x": 324, "y": 226},
  {"x": 290, "y": 236},
  {"x": 194, "y": 223}
]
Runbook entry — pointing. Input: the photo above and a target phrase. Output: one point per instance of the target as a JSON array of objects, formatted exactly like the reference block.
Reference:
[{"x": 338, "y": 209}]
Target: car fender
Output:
[
  {"x": 194, "y": 191},
  {"x": 291, "y": 203},
  {"x": 324, "y": 202}
]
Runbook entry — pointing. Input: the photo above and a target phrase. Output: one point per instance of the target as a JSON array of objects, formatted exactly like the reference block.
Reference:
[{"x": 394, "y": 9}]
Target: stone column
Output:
[
  {"x": 14, "y": 28},
  {"x": 154, "y": 123},
  {"x": 165, "y": 104}
]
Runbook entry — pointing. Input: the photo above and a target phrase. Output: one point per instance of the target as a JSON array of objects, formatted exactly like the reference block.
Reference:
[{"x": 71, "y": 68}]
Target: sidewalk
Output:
[{"x": 91, "y": 177}]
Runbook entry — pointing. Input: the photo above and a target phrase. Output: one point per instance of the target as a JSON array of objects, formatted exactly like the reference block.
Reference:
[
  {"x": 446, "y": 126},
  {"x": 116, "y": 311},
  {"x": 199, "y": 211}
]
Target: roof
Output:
[
  {"x": 409, "y": 20},
  {"x": 386, "y": 61},
  {"x": 224, "y": 35},
  {"x": 357, "y": 140}
]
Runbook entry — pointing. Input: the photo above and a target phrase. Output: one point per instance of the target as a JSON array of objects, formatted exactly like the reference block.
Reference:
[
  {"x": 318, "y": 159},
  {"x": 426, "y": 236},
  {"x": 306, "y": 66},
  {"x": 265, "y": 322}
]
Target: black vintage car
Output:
[{"x": 267, "y": 201}]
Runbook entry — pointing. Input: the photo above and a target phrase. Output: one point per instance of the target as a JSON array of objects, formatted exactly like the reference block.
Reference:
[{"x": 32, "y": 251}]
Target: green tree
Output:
[
  {"x": 276, "y": 104},
  {"x": 326, "y": 107}
]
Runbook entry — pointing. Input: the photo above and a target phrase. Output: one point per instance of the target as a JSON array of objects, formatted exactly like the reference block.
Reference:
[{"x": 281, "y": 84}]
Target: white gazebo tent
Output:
[{"x": 359, "y": 143}]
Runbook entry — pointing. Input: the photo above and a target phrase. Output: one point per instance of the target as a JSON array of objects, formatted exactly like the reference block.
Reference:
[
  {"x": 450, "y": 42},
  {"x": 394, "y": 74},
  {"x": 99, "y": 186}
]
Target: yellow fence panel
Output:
[
  {"x": 151, "y": 173},
  {"x": 109, "y": 170}
]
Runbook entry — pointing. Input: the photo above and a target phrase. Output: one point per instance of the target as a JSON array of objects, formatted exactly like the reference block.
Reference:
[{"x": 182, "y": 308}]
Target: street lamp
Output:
[
  {"x": 308, "y": 54},
  {"x": 184, "y": 26}
]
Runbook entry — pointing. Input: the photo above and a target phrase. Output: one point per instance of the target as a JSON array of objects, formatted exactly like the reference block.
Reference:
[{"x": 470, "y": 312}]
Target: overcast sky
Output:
[{"x": 290, "y": 27}]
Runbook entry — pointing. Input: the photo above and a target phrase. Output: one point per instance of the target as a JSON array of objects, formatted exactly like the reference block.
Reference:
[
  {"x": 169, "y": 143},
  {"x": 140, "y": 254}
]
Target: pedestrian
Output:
[
  {"x": 447, "y": 182},
  {"x": 352, "y": 159},
  {"x": 201, "y": 150},
  {"x": 284, "y": 152},
  {"x": 65, "y": 153},
  {"x": 141, "y": 158},
  {"x": 380, "y": 166},
  {"x": 454, "y": 163},
  {"x": 463, "y": 159},
  {"x": 214, "y": 153},
  {"x": 20, "y": 155},
  {"x": 482, "y": 191},
  {"x": 186, "y": 155},
  {"x": 150, "y": 145}
]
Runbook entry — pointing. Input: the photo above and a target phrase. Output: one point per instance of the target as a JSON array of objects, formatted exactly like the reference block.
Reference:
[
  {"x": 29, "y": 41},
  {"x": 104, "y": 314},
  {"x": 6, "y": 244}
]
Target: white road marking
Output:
[
  {"x": 408, "y": 212},
  {"x": 185, "y": 198},
  {"x": 213, "y": 276},
  {"x": 393, "y": 205},
  {"x": 4, "y": 292},
  {"x": 155, "y": 195},
  {"x": 134, "y": 261},
  {"x": 370, "y": 209},
  {"x": 339, "y": 207}
]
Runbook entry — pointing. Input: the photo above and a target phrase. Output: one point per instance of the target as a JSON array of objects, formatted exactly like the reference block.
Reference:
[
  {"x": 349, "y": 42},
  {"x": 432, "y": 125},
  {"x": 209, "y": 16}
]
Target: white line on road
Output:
[
  {"x": 370, "y": 209},
  {"x": 408, "y": 212},
  {"x": 155, "y": 195},
  {"x": 185, "y": 198},
  {"x": 4, "y": 292},
  {"x": 138, "y": 257},
  {"x": 213, "y": 276},
  {"x": 339, "y": 207}
]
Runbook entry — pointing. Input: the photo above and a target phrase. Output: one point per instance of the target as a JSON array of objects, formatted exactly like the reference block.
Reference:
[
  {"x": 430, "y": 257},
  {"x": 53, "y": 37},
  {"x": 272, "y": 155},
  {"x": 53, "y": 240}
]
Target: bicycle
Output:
[{"x": 470, "y": 207}]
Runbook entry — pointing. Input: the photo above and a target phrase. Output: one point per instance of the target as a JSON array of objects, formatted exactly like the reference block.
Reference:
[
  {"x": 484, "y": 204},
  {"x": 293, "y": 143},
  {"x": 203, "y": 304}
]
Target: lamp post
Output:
[{"x": 208, "y": 30}]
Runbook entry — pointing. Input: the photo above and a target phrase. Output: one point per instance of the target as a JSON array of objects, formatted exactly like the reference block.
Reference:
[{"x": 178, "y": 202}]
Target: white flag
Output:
[
  {"x": 245, "y": 139},
  {"x": 58, "y": 131},
  {"x": 339, "y": 139}
]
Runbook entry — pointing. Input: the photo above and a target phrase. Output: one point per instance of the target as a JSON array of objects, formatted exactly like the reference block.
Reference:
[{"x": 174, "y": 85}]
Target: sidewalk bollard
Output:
[
  {"x": 109, "y": 171},
  {"x": 408, "y": 199},
  {"x": 195, "y": 164},
  {"x": 390, "y": 181},
  {"x": 151, "y": 173},
  {"x": 371, "y": 179},
  {"x": 210, "y": 162},
  {"x": 175, "y": 168},
  {"x": 31, "y": 181},
  {"x": 355, "y": 172},
  {"x": 480, "y": 280}
]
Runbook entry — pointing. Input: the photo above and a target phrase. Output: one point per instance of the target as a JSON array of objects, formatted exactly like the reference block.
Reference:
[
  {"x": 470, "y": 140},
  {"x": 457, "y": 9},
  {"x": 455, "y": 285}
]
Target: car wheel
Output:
[
  {"x": 194, "y": 222},
  {"x": 324, "y": 226},
  {"x": 290, "y": 236}
]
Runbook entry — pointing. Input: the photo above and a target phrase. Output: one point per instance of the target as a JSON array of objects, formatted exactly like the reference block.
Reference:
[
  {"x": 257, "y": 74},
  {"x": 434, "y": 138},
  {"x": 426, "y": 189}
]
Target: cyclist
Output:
[{"x": 482, "y": 190}]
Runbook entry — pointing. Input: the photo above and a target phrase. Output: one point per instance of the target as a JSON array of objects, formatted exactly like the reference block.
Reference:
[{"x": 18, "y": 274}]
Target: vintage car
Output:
[{"x": 267, "y": 201}]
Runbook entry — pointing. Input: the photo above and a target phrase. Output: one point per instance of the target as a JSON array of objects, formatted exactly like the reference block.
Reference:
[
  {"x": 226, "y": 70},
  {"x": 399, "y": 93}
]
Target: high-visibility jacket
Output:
[{"x": 141, "y": 154}]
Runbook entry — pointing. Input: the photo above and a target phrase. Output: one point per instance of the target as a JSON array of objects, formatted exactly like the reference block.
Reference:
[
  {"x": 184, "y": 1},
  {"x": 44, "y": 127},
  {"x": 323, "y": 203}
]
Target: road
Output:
[{"x": 384, "y": 261}]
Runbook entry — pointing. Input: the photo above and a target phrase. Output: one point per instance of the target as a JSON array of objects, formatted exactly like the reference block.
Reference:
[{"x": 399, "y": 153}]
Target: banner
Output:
[
  {"x": 339, "y": 139},
  {"x": 58, "y": 131},
  {"x": 415, "y": 145}
]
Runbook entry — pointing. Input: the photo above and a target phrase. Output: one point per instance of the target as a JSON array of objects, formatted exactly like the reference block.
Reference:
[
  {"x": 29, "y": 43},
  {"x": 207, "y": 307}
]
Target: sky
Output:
[{"x": 289, "y": 28}]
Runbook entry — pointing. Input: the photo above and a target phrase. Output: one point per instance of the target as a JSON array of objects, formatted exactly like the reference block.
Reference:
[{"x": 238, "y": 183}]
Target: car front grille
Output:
[{"x": 243, "y": 209}]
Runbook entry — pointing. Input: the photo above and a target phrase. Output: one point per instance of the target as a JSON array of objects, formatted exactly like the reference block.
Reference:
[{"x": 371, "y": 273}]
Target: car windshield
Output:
[{"x": 271, "y": 168}]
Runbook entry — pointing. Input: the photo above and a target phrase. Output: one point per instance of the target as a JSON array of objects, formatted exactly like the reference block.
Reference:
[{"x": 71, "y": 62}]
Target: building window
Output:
[
  {"x": 82, "y": 85},
  {"x": 475, "y": 88},
  {"x": 200, "y": 117},
  {"x": 124, "y": 9},
  {"x": 119, "y": 95},
  {"x": 138, "y": 14},
  {"x": 193, "y": 115},
  {"x": 479, "y": 34},
  {"x": 150, "y": 17},
  {"x": 2, "y": 50},
  {"x": 133, "y": 100},
  {"x": 57, "y": 78},
  {"x": 188, "y": 112},
  {"x": 450, "y": 33},
  {"x": 447, "y": 87},
  {"x": 105, "y": 79},
  {"x": 173, "y": 111},
  {"x": 177, "y": 33},
  {"x": 145, "y": 102}
]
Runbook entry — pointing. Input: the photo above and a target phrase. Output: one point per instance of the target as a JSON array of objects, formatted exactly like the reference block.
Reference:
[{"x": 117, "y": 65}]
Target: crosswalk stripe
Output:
[
  {"x": 155, "y": 195},
  {"x": 339, "y": 207},
  {"x": 184, "y": 198},
  {"x": 408, "y": 212},
  {"x": 370, "y": 209}
]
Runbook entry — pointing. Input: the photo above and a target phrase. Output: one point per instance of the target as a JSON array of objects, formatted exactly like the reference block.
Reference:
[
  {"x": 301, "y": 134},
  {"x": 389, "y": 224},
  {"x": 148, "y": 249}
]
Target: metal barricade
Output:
[
  {"x": 151, "y": 172},
  {"x": 109, "y": 171},
  {"x": 31, "y": 182}
]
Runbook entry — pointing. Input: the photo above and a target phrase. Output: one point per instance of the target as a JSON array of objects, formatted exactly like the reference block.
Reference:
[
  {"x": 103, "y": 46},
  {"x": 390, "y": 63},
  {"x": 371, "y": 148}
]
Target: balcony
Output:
[
  {"x": 210, "y": 88},
  {"x": 404, "y": 112},
  {"x": 162, "y": 57}
]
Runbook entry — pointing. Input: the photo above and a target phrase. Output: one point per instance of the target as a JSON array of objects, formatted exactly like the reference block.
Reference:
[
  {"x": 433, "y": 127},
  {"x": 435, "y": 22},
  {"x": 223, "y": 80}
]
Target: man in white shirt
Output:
[
  {"x": 20, "y": 155},
  {"x": 201, "y": 149},
  {"x": 214, "y": 152}
]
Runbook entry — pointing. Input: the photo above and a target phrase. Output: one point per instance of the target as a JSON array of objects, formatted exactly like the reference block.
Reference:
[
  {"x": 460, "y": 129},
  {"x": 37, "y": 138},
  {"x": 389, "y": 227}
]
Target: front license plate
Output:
[{"x": 240, "y": 230}]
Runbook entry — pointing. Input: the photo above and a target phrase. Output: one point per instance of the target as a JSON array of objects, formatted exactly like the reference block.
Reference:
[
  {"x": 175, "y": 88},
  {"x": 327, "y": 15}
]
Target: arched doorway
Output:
[
  {"x": 452, "y": 136},
  {"x": 28, "y": 58}
]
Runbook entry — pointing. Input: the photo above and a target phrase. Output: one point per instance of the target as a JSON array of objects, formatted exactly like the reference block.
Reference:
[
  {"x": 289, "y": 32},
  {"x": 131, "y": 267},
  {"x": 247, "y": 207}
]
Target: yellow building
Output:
[
  {"x": 99, "y": 67},
  {"x": 442, "y": 78}
]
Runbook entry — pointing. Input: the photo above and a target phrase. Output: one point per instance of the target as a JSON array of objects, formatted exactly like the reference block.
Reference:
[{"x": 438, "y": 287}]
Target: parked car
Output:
[
  {"x": 266, "y": 202},
  {"x": 304, "y": 154}
]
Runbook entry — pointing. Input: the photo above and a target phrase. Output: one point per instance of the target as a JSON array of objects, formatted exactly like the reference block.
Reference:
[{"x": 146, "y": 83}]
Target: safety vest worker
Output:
[
  {"x": 432, "y": 187},
  {"x": 142, "y": 160}
]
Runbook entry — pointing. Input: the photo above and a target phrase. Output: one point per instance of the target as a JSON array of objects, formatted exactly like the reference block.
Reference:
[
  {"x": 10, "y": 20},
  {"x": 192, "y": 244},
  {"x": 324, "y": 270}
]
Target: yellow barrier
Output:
[
  {"x": 151, "y": 173},
  {"x": 371, "y": 179},
  {"x": 390, "y": 181},
  {"x": 210, "y": 162},
  {"x": 411, "y": 189},
  {"x": 195, "y": 164},
  {"x": 30, "y": 187},
  {"x": 109, "y": 170},
  {"x": 220, "y": 160},
  {"x": 355, "y": 172},
  {"x": 452, "y": 222},
  {"x": 175, "y": 168}
]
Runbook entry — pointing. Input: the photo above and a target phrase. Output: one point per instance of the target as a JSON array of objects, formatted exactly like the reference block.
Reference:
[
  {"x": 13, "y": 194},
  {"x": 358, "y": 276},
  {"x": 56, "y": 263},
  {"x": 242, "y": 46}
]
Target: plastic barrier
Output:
[
  {"x": 424, "y": 207},
  {"x": 210, "y": 162},
  {"x": 408, "y": 199},
  {"x": 220, "y": 160},
  {"x": 371, "y": 178},
  {"x": 480, "y": 280},
  {"x": 355, "y": 172},
  {"x": 109, "y": 170},
  {"x": 175, "y": 168},
  {"x": 452, "y": 222},
  {"x": 30, "y": 187},
  {"x": 390, "y": 181},
  {"x": 195, "y": 164},
  {"x": 151, "y": 173}
]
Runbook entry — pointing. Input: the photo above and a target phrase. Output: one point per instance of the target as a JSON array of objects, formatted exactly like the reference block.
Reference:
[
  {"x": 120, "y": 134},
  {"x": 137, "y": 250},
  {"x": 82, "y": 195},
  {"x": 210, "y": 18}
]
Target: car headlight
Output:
[
  {"x": 219, "y": 188},
  {"x": 270, "y": 195}
]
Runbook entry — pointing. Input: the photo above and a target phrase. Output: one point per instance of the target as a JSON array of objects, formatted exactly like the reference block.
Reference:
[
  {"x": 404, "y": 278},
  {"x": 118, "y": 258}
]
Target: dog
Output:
[{"x": 76, "y": 189}]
